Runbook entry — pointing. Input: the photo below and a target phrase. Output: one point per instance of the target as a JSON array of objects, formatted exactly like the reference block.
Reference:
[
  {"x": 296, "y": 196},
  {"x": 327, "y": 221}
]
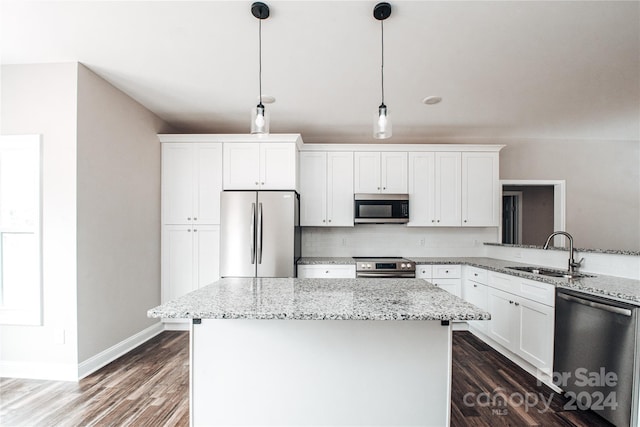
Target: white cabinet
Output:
[
  {"x": 380, "y": 172},
  {"x": 522, "y": 325},
  {"x": 480, "y": 190},
  {"x": 189, "y": 258},
  {"x": 475, "y": 291},
  {"x": 191, "y": 183},
  {"x": 260, "y": 166},
  {"x": 435, "y": 189},
  {"x": 446, "y": 277},
  {"x": 326, "y": 271},
  {"x": 326, "y": 188},
  {"x": 447, "y": 189}
]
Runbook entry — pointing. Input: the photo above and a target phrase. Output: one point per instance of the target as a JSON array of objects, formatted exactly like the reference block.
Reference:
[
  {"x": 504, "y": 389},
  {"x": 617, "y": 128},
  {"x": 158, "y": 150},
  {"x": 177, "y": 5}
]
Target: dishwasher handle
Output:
[{"x": 595, "y": 304}]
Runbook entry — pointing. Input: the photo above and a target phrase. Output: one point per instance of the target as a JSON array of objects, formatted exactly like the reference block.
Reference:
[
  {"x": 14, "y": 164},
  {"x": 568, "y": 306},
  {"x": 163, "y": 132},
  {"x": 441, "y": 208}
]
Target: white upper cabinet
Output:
[
  {"x": 191, "y": 183},
  {"x": 326, "y": 188},
  {"x": 434, "y": 189},
  {"x": 422, "y": 187},
  {"x": 448, "y": 189},
  {"x": 480, "y": 190},
  {"x": 260, "y": 166},
  {"x": 377, "y": 172}
]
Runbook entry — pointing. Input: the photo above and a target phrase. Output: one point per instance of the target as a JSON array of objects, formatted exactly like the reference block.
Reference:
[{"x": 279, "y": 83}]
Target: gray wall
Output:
[
  {"x": 118, "y": 215},
  {"x": 537, "y": 212},
  {"x": 602, "y": 185}
]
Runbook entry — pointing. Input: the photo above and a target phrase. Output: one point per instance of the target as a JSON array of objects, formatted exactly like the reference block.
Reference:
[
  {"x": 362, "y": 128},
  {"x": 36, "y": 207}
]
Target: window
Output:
[{"x": 20, "y": 207}]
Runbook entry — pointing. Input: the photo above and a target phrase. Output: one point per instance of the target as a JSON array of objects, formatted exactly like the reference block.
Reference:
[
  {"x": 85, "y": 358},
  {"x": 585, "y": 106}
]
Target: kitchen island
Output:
[{"x": 333, "y": 351}]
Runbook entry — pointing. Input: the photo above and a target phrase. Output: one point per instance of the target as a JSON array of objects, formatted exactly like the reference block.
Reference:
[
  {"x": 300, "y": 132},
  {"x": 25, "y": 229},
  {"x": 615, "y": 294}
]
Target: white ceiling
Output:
[{"x": 505, "y": 69}]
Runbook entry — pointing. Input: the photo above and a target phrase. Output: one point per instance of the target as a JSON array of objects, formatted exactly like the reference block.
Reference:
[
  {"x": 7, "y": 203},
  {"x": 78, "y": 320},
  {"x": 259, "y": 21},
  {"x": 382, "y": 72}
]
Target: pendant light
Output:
[
  {"x": 259, "y": 115},
  {"x": 382, "y": 123}
]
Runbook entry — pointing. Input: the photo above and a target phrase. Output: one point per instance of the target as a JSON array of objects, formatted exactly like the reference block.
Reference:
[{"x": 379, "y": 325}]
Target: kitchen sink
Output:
[{"x": 550, "y": 272}]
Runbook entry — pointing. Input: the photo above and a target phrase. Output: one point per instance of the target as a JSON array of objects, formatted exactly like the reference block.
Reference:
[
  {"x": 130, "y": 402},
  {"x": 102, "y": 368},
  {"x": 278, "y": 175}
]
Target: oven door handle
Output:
[{"x": 373, "y": 275}]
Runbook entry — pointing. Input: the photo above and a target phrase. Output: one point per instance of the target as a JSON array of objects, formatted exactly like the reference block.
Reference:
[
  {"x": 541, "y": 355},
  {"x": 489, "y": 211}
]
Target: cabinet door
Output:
[
  {"x": 340, "y": 189},
  {"x": 448, "y": 189},
  {"x": 453, "y": 286},
  {"x": 367, "y": 172},
  {"x": 278, "y": 166},
  {"x": 477, "y": 294},
  {"x": 177, "y": 183},
  {"x": 502, "y": 326},
  {"x": 480, "y": 190},
  {"x": 421, "y": 189},
  {"x": 208, "y": 183},
  {"x": 535, "y": 343},
  {"x": 206, "y": 252},
  {"x": 313, "y": 188},
  {"x": 393, "y": 173},
  {"x": 177, "y": 261},
  {"x": 241, "y": 166}
]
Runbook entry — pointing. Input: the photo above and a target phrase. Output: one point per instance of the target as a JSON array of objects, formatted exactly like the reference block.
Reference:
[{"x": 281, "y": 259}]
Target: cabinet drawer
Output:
[
  {"x": 424, "y": 271},
  {"x": 327, "y": 271},
  {"x": 476, "y": 274},
  {"x": 446, "y": 271},
  {"x": 543, "y": 293}
]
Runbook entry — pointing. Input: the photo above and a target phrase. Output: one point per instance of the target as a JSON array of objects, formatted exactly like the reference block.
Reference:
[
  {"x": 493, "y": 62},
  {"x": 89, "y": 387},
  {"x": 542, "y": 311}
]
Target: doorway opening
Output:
[{"x": 531, "y": 210}]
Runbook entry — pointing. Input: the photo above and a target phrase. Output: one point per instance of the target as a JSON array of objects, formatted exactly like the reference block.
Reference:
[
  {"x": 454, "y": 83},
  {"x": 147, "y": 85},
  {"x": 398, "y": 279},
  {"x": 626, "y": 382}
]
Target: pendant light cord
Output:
[
  {"x": 382, "y": 66},
  {"x": 260, "y": 59}
]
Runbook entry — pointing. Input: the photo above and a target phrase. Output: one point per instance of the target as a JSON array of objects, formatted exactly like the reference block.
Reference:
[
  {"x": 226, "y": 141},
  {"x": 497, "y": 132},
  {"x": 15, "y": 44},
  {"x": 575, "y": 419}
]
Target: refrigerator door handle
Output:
[
  {"x": 252, "y": 245},
  {"x": 259, "y": 239}
]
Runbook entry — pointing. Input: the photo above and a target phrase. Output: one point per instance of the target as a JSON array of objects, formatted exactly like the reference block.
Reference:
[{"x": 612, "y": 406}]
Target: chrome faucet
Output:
[{"x": 572, "y": 262}]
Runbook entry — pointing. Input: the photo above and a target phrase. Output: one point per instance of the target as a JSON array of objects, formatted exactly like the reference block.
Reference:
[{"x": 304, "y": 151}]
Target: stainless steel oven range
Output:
[{"x": 385, "y": 267}]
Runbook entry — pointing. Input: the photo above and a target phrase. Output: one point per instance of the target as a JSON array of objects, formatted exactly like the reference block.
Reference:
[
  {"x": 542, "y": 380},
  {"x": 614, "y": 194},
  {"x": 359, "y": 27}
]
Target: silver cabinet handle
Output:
[
  {"x": 188, "y": 218},
  {"x": 475, "y": 286},
  {"x": 262, "y": 183},
  {"x": 259, "y": 233},
  {"x": 510, "y": 302},
  {"x": 253, "y": 233},
  {"x": 329, "y": 220},
  {"x": 195, "y": 219},
  {"x": 517, "y": 304},
  {"x": 465, "y": 220},
  {"x": 324, "y": 220},
  {"x": 256, "y": 182},
  {"x": 433, "y": 220},
  {"x": 188, "y": 230}
]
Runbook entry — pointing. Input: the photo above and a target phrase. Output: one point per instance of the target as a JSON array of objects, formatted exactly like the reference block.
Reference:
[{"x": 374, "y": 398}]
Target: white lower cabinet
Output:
[
  {"x": 521, "y": 325},
  {"x": 447, "y": 277},
  {"x": 323, "y": 271},
  {"x": 475, "y": 291},
  {"x": 189, "y": 258}
]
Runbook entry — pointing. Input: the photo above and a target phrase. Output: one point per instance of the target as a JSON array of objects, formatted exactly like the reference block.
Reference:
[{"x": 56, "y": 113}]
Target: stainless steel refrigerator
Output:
[{"x": 259, "y": 233}]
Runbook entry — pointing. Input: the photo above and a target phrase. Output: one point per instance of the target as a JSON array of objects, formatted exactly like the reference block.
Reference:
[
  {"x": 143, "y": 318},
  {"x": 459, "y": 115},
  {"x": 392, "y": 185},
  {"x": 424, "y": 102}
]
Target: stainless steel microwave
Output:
[{"x": 381, "y": 208}]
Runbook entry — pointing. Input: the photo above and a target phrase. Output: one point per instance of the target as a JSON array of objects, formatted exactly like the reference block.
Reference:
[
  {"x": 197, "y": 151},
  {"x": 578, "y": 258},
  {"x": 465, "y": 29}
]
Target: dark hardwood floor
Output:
[{"x": 149, "y": 387}]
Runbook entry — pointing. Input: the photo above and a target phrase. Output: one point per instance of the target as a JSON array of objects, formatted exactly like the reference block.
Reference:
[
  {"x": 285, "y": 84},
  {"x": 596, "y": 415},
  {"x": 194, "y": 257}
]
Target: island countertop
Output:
[{"x": 320, "y": 299}]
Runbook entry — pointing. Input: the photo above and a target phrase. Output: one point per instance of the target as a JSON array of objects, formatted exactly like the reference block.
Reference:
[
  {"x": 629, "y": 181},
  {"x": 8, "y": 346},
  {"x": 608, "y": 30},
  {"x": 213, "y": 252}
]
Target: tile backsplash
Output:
[{"x": 395, "y": 240}]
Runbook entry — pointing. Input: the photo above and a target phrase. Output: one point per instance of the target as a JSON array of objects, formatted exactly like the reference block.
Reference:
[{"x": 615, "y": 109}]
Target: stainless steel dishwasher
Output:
[{"x": 596, "y": 355}]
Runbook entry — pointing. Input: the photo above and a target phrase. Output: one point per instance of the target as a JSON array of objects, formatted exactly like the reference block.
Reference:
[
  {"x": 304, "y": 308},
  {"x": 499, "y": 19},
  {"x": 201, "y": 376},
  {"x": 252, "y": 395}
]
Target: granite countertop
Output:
[
  {"x": 556, "y": 248},
  {"x": 619, "y": 288},
  {"x": 320, "y": 299}
]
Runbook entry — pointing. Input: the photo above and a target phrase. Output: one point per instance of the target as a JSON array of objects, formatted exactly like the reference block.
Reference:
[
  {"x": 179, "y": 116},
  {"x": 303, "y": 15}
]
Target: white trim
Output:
[
  {"x": 403, "y": 147},
  {"x": 109, "y": 355},
  {"x": 559, "y": 203},
  {"x": 213, "y": 137}
]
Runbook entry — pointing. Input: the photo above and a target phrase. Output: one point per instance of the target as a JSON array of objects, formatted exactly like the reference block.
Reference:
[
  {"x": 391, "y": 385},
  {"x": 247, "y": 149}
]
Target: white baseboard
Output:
[{"x": 109, "y": 355}]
